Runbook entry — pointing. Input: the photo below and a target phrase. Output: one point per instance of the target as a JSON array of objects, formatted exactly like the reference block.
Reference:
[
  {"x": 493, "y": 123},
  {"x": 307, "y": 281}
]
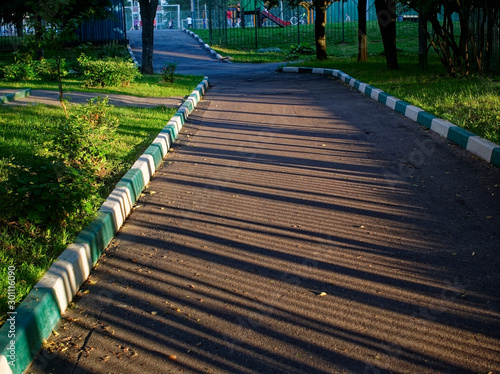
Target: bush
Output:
[
  {"x": 47, "y": 69},
  {"x": 18, "y": 72},
  {"x": 300, "y": 49},
  {"x": 167, "y": 72},
  {"x": 112, "y": 50},
  {"x": 108, "y": 72},
  {"x": 60, "y": 184}
]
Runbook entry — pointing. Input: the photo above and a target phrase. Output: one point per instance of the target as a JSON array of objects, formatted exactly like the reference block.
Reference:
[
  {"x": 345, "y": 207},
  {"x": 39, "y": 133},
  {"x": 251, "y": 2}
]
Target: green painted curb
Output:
[
  {"x": 35, "y": 319},
  {"x": 459, "y": 135},
  {"x": 14, "y": 96}
]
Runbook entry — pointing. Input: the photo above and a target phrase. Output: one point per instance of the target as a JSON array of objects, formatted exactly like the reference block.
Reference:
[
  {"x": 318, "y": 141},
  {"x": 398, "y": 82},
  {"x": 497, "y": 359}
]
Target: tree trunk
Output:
[
  {"x": 19, "y": 26},
  {"x": 422, "y": 41},
  {"x": 319, "y": 29},
  {"x": 386, "y": 16},
  {"x": 362, "y": 38},
  {"x": 148, "y": 13}
]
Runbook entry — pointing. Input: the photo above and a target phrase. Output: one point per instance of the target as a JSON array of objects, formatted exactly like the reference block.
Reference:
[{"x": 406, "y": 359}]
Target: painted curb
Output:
[
  {"x": 207, "y": 47},
  {"x": 134, "y": 60},
  {"x": 14, "y": 96},
  {"x": 41, "y": 310},
  {"x": 484, "y": 149}
]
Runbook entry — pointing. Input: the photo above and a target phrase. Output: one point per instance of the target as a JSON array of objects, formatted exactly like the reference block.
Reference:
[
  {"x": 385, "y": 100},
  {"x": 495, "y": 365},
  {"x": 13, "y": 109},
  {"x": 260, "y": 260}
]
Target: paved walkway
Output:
[{"x": 297, "y": 227}]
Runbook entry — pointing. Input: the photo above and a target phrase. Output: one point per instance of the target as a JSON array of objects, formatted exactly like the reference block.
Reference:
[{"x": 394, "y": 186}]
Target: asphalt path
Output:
[
  {"x": 296, "y": 227},
  {"x": 193, "y": 59}
]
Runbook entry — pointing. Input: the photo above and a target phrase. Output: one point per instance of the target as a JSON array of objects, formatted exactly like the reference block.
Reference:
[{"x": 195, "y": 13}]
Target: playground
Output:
[{"x": 252, "y": 23}]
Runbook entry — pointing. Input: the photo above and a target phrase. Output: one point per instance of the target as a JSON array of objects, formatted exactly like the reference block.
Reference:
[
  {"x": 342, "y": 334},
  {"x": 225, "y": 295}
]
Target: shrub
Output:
[
  {"x": 167, "y": 72},
  {"x": 108, "y": 72},
  {"x": 300, "y": 49},
  {"x": 47, "y": 69},
  {"x": 18, "y": 72},
  {"x": 60, "y": 184},
  {"x": 112, "y": 50}
]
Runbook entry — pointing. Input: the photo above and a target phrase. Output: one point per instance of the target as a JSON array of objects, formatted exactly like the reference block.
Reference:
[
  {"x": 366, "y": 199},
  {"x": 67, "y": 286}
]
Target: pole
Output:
[
  {"x": 422, "y": 42},
  {"x": 298, "y": 26},
  {"x": 343, "y": 32},
  {"x": 256, "y": 20},
  {"x": 210, "y": 22}
]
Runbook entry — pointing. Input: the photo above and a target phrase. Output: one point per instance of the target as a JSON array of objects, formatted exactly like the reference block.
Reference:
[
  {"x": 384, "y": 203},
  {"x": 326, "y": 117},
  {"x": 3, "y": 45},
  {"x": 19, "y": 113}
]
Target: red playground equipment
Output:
[{"x": 274, "y": 19}]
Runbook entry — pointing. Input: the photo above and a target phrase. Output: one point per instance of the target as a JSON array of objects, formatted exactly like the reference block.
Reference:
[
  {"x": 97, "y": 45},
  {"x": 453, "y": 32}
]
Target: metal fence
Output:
[
  {"x": 100, "y": 31},
  {"x": 479, "y": 26},
  {"x": 108, "y": 30},
  {"x": 228, "y": 19}
]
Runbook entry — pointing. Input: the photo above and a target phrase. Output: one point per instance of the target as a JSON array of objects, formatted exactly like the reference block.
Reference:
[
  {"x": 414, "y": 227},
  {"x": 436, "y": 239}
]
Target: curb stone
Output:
[
  {"x": 207, "y": 47},
  {"x": 485, "y": 149},
  {"x": 134, "y": 60},
  {"x": 17, "y": 95},
  {"x": 33, "y": 320}
]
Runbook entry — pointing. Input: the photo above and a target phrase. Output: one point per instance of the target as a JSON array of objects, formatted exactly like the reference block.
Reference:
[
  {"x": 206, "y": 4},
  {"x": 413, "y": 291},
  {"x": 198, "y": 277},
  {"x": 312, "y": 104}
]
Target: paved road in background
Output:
[
  {"x": 296, "y": 227},
  {"x": 192, "y": 58}
]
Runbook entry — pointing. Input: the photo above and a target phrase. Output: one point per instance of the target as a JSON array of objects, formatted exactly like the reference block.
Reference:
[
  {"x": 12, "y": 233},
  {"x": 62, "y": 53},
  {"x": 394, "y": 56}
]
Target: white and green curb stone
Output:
[{"x": 16, "y": 95}]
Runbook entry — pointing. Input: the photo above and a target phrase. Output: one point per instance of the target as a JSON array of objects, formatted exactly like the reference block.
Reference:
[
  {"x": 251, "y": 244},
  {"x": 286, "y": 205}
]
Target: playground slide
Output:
[{"x": 275, "y": 19}]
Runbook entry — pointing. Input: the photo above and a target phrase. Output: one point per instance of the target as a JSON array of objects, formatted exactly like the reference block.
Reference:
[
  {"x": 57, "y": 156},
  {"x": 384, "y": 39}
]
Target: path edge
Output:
[
  {"x": 482, "y": 148},
  {"x": 207, "y": 47},
  {"x": 22, "y": 335}
]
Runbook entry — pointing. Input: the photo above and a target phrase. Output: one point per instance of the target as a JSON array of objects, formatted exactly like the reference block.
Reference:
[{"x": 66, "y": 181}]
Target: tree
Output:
[
  {"x": 319, "y": 8},
  {"x": 55, "y": 22},
  {"x": 386, "y": 17},
  {"x": 148, "y": 13}
]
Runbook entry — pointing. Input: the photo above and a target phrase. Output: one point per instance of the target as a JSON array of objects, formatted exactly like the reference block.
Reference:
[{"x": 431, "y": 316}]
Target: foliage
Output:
[
  {"x": 47, "y": 69},
  {"x": 299, "y": 50},
  {"x": 59, "y": 184},
  {"x": 107, "y": 72},
  {"x": 18, "y": 72},
  {"x": 167, "y": 72}
]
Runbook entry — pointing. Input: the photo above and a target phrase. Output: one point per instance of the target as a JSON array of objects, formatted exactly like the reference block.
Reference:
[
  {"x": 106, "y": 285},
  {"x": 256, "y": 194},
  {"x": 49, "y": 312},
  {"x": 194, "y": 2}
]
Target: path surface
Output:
[{"x": 297, "y": 227}]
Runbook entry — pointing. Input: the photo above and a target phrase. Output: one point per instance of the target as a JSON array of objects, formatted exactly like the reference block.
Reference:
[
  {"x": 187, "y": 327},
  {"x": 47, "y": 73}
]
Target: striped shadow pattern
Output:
[{"x": 485, "y": 149}]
